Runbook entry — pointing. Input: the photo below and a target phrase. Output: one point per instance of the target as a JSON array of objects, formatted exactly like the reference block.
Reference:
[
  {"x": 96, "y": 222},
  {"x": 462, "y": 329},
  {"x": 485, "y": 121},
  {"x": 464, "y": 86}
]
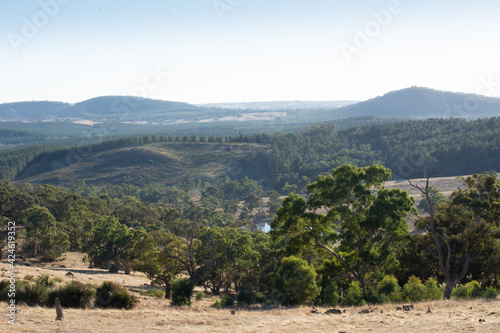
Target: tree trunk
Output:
[
  {"x": 447, "y": 290},
  {"x": 443, "y": 267},
  {"x": 126, "y": 267},
  {"x": 168, "y": 290}
]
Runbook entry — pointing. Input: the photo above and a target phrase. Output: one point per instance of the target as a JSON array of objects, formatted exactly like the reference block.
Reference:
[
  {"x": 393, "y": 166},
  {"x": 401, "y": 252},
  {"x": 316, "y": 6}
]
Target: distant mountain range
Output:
[
  {"x": 414, "y": 102},
  {"x": 280, "y": 105}
]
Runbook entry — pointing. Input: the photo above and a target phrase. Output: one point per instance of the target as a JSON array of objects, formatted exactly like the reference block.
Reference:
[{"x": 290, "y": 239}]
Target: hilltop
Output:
[{"x": 419, "y": 102}]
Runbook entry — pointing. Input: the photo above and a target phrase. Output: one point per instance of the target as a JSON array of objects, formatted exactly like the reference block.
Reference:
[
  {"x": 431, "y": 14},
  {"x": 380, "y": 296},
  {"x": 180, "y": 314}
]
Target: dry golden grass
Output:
[{"x": 154, "y": 315}]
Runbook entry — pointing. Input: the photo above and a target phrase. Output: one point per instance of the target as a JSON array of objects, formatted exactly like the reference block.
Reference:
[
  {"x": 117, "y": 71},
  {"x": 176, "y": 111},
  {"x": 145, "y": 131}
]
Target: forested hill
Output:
[
  {"x": 418, "y": 102},
  {"x": 416, "y": 148}
]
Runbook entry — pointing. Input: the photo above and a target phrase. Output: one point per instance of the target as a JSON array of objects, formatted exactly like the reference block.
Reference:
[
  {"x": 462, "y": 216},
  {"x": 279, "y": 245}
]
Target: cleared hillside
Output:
[{"x": 166, "y": 163}]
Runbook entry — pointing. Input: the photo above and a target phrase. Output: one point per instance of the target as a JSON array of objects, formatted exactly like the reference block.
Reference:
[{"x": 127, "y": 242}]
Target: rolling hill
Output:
[
  {"x": 413, "y": 102},
  {"x": 166, "y": 163},
  {"x": 418, "y": 102}
]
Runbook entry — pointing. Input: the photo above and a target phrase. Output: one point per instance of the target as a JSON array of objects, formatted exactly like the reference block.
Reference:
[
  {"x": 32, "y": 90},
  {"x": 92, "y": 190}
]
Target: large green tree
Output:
[
  {"x": 465, "y": 231},
  {"x": 153, "y": 261},
  {"x": 43, "y": 234},
  {"x": 350, "y": 216}
]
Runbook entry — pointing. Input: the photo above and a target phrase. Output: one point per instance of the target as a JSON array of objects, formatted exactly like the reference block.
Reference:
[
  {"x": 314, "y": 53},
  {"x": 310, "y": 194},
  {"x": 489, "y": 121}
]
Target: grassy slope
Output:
[{"x": 166, "y": 163}]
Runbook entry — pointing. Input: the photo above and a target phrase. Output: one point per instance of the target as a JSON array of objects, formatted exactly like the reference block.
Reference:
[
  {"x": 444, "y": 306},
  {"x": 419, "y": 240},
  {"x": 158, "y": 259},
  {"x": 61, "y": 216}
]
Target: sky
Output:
[{"x": 209, "y": 51}]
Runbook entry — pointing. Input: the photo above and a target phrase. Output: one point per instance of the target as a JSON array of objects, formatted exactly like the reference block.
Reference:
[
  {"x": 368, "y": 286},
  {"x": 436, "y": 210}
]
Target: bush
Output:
[
  {"x": 226, "y": 301},
  {"x": 260, "y": 298},
  {"x": 200, "y": 295},
  {"x": 414, "y": 290},
  {"x": 4, "y": 287},
  {"x": 297, "y": 281},
  {"x": 47, "y": 281},
  {"x": 354, "y": 295},
  {"x": 31, "y": 293},
  {"x": 181, "y": 292},
  {"x": 432, "y": 290},
  {"x": 156, "y": 293},
  {"x": 73, "y": 294},
  {"x": 490, "y": 293},
  {"x": 388, "y": 290},
  {"x": 459, "y": 292},
  {"x": 25, "y": 292},
  {"x": 112, "y": 295},
  {"x": 246, "y": 296},
  {"x": 473, "y": 290}
]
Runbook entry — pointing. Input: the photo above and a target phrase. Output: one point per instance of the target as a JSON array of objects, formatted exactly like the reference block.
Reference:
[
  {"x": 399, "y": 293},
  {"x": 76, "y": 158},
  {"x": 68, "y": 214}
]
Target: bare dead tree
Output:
[{"x": 451, "y": 281}]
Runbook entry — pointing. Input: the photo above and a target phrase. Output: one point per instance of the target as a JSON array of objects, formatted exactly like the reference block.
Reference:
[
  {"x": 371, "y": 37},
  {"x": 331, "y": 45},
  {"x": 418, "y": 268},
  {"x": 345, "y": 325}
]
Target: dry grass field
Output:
[{"x": 154, "y": 315}]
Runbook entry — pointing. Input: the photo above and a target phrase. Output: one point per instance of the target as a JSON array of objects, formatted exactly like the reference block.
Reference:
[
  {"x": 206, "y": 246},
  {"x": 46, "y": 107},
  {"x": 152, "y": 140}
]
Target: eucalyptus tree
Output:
[
  {"x": 465, "y": 231},
  {"x": 350, "y": 216}
]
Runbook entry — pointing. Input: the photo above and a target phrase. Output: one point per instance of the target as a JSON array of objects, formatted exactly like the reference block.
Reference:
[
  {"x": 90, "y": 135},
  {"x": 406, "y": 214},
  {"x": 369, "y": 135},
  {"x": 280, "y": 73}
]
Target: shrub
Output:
[
  {"x": 354, "y": 295},
  {"x": 388, "y": 289},
  {"x": 31, "y": 293},
  {"x": 490, "y": 293},
  {"x": 474, "y": 289},
  {"x": 112, "y": 295},
  {"x": 156, "y": 293},
  {"x": 200, "y": 295},
  {"x": 432, "y": 290},
  {"x": 73, "y": 294},
  {"x": 260, "y": 298},
  {"x": 217, "y": 303},
  {"x": 46, "y": 280},
  {"x": 226, "y": 301},
  {"x": 414, "y": 290},
  {"x": 459, "y": 292},
  {"x": 181, "y": 292},
  {"x": 297, "y": 281},
  {"x": 246, "y": 296},
  {"x": 4, "y": 287}
]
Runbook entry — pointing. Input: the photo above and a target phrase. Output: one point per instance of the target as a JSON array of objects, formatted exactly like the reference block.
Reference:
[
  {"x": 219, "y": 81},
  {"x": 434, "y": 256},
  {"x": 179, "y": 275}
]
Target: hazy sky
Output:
[{"x": 202, "y": 51}]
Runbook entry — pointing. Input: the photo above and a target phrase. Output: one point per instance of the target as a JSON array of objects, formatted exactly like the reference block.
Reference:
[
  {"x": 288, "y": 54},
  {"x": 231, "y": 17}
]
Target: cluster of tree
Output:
[
  {"x": 347, "y": 242},
  {"x": 355, "y": 231},
  {"x": 242, "y": 198}
]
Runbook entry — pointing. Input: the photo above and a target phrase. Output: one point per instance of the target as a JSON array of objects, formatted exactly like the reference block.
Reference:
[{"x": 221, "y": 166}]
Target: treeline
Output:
[
  {"x": 348, "y": 243},
  {"x": 13, "y": 161}
]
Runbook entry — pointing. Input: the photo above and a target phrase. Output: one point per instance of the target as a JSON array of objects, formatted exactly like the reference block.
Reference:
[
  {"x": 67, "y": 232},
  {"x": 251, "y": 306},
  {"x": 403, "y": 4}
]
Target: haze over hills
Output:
[
  {"x": 414, "y": 102},
  {"x": 280, "y": 105},
  {"x": 418, "y": 102}
]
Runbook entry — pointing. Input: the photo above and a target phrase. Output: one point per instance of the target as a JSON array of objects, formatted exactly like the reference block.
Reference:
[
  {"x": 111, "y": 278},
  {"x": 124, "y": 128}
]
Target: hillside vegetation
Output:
[
  {"x": 411, "y": 149},
  {"x": 166, "y": 163}
]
